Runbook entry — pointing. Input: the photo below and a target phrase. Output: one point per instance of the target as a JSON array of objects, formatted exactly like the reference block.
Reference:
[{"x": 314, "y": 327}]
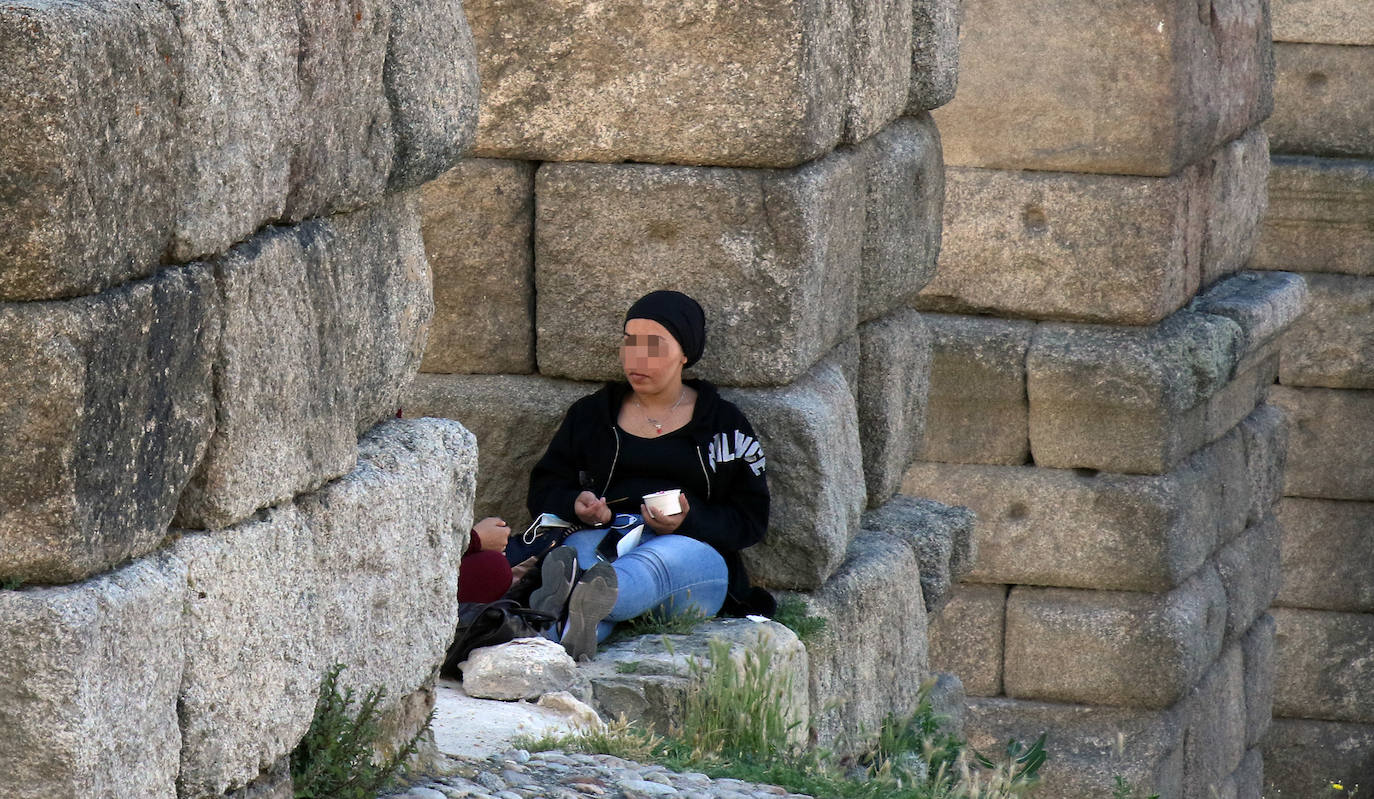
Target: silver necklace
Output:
[{"x": 658, "y": 426}]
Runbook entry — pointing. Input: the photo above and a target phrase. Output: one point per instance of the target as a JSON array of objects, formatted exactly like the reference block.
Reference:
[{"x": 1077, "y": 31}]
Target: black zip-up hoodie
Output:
[{"x": 731, "y": 516}]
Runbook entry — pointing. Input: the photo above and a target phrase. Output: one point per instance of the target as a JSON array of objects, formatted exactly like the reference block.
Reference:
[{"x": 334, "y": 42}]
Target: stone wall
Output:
[
  {"x": 213, "y": 290},
  {"x": 1321, "y": 223},
  {"x": 1098, "y": 389},
  {"x": 778, "y": 162}
]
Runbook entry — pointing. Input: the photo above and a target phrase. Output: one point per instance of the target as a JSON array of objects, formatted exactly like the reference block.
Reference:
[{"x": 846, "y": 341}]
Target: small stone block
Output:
[
  {"x": 1249, "y": 568},
  {"x": 1327, "y": 554},
  {"x": 1304, "y": 758},
  {"x": 1112, "y": 647},
  {"x": 1257, "y": 645},
  {"x": 1331, "y": 433},
  {"x": 1214, "y": 719},
  {"x": 940, "y": 535},
  {"x": 1318, "y": 217},
  {"x": 977, "y": 409},
  {"x": 478, "y": 229},
  {"x": 934, "y": 53},
  {"x": 92, "y": 672},
  {"x": 1330, "y": 346},
  {"x": 810, "y": 432},
  {"x": 894, "y": 377},
  {"x": 1322, "y": 102},
  {"x": 1323, "y": 667},
  {"x": 772, "y": 255},
  {"x": 1238, "y": 197},
  {"x": 966, "y": 637},
  {"x": 1249, "y": 777}
]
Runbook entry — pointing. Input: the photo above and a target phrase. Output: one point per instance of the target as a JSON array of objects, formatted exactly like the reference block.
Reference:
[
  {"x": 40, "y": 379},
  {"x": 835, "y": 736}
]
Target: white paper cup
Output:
[{"x": 664, "y": 503}]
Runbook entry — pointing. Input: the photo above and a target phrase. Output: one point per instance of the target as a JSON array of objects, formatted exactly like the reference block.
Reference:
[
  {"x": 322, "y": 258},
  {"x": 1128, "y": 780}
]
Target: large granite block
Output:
[
  {"x": 1257, "y": 647},
  {"x": 1303, "y": 758},
  {"x": 1214, "y": 727},
  {"x": 772, "y": 255},
  {"x": 905, "y": 185},
  {"x": 1139, "y": 400},
  {"x": 934, "y": 53},
  {"x": 89, "y": 699},
  {"x": 107, "y": 410},
  {"x": 1078, "y": 529},
  {"x": 977, "y": 409},
  {"x": 940, "y": 535},
  {"x": 1249, "y": 569},
  {"x": 1318, "y": 217},
  {"x": 336, "y": 311},
  {"x": 514, "y": 418},
  {"x": 387, "y": 540},
  {"x": 212, "y": 122},
  {"x": 1331, "y": 345},
  {"x": 894, "y": 376},
  {"x": 855, "y": 685},
  {"x": 1128, "y": 88},
  {"x": 1091, "y": 745},
  {"x": 250, "y": 680},
  {"x": 810, "y": 433},
  {"x": 1327, "y": 554},
  {"x": 1322, "y": 102},
  {"x": 966, "y": 637},
  {"x": 1035, "y": 244},
  {"x": 1331, "y": 433},
  {"x": 1322, "y": 665},
  {"x": 1113, "y": 647},
  {"x": 479, "y": 232},
  {"x": 1238, "y": 185},
  {"x": 759, "y": 85},
  {"x": 1323, "y": 22}
]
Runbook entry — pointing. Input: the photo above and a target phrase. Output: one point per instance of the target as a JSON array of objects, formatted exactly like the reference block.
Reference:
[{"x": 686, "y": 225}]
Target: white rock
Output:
[
  {"x": 525, "y": 668},
  {"x": 582, "y": 714}
]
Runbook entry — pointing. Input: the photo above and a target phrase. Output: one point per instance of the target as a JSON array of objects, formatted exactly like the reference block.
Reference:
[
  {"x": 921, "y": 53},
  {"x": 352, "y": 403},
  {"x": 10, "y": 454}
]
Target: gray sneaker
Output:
[
  {"x": 592, "y": 600},
  {"x": 558, "y": 574}
]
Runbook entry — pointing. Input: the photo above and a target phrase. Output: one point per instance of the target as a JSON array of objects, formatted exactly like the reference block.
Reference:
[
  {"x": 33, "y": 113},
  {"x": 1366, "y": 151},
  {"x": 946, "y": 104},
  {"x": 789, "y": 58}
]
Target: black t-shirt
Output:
[{"x": 647, "y": 465}]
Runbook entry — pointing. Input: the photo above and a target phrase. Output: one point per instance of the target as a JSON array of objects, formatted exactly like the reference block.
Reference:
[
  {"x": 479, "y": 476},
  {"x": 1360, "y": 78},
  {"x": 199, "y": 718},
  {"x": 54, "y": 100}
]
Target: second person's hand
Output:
[{"x": 592, "y": 509}]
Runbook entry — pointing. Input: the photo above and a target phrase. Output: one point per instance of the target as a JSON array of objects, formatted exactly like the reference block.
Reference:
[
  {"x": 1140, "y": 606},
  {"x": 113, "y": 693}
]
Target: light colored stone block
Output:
[
  {"x": 653, "y": 693},
  {"x": 1322, "y": 664},
  {"x": 107, "y": 409},
  {"x": 387, "y": 540},
  {"x": 514, "y": 418},
  {"x": 479, "y": 229},
  {"x": 1323, "y": 21},
  {"x": 1238, "y": 183},
  {"x": 1332, "y": 344},
  {"x": 966, "y": 637},
  {"x": 1318, "y": 218},
  {"x": 940, "y": 535},
  {"x": 904, "y": 202},
  {"x": 1080, "y": 529},
  {"x": 1090, "y": 745},
  {"x": 1139, "y": 400},
  {"x": 1214, "y": 724},
  {"x": 336, "y": 308},
  {"x": 1113, "y": 647},
  {"x": 1034, "y": 243},
  {"x": 1331, "y": 433},
  {"x": 1128, "y": 88},
  {"x": 768, "y": 85},
  {"x": 1249, "y": 569},
  {"x": 215, "y": 122},
  {"x": 773, "y": 256},
  {"x": 894, "y": 377},
  {"x": 250, "y": 681},
  {"x": 92, "y": 670},
  {"x": 1322, "y": 102},
  {"x": 1303, "y": 758},
  {"x": 977, "y": 409},
  {"x": 934, "y": 53},
  {"x": 810, "y": 432},
  {"x": 1327, "y": 554},
  {"x": 1258, "y": 648},
  {"x": 855, "y": 685}
]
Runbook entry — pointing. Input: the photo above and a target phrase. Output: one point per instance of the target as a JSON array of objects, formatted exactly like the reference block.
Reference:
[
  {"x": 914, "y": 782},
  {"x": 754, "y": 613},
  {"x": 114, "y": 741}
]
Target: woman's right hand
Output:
[{"x": 592, "y": 509}]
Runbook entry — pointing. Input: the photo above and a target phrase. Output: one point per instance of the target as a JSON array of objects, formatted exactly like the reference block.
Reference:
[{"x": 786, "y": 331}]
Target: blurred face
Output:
[{"x": 651, "y": 357}]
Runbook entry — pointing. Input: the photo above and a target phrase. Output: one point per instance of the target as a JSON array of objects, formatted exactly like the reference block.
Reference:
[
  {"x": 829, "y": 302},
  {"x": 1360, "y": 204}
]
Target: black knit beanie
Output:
[{"x": 680, "y": 314}]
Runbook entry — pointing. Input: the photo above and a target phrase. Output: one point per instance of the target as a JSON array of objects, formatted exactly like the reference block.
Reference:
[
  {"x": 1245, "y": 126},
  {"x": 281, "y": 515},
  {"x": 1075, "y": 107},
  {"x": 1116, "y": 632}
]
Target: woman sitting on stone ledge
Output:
[{"x": 651, "y": 433}]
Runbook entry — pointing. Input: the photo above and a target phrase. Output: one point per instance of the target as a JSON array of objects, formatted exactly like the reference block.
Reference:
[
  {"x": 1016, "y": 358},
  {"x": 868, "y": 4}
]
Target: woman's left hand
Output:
[{"x": 664, "y": 524}]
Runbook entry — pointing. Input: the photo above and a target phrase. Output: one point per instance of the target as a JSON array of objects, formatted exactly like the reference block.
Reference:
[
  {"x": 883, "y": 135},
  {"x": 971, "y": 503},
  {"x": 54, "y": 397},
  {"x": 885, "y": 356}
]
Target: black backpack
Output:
[{"x": 489, "y": 624}]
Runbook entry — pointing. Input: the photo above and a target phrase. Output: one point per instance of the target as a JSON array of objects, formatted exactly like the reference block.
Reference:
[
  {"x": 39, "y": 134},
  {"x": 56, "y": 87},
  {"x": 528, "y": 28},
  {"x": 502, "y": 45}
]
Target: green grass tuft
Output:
[{"x": 792, "y": 613}]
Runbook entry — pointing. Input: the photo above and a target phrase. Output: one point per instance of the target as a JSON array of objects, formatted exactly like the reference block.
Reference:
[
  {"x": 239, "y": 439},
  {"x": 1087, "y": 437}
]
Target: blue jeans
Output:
[{"x": 667, "y": 574}]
